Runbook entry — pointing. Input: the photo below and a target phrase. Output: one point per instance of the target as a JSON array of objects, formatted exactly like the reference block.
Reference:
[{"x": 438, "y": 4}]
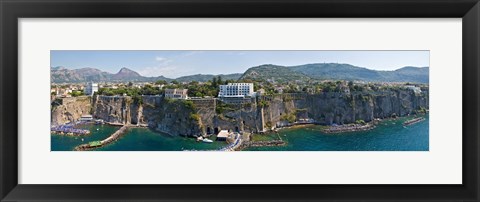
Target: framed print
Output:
[{"x": 279, "y": 100}]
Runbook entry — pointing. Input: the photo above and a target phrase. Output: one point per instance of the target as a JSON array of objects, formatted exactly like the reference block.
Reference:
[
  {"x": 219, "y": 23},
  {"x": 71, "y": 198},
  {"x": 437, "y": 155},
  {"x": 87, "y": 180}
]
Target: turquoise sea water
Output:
[
  {"x": 143, "y": 139},
  {"x": 389, "y": 135},
  {"x": 68, "y": 143}
]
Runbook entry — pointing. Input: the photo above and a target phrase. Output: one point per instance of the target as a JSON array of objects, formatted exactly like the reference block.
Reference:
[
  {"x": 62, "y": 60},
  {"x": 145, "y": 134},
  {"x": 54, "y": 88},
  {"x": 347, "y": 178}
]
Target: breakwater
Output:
[
  {"x": 349, "y": 128},
  {"x": 413, "y": 121},
  {"x": 266, "y": 143},
  {"x": 96, "y": 144}
]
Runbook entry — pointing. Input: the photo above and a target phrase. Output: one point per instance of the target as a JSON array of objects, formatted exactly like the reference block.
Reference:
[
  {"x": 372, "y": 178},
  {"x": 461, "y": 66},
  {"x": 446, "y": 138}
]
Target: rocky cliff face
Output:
[
  {"x": 342, "y": 108},
  {"x": 197, "y": 117},
  {"x": 113, "y": 109},
  {"x": 69, "y": 109},
  {"x": 174, "y": 117}
]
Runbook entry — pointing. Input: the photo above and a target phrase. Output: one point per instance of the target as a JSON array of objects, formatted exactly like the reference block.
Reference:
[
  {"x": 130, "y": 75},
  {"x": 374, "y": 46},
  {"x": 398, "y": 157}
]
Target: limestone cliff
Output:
[
  {"x": 341, "y": 108},
  {"x": 202, "y": 116},
  {"x": 66, "y": 110},
  {"x": 112, "y": 109},
  {"x": 174, "y": 117}
]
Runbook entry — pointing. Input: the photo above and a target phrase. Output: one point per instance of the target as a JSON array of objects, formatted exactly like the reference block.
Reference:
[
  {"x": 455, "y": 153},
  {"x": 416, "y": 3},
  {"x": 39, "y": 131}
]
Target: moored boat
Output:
[{"x": 206, "y": 140}]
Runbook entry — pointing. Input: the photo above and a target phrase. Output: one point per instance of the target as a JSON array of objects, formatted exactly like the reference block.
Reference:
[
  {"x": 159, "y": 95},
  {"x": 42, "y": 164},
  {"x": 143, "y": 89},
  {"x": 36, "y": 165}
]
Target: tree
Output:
[
  {"x": 360, "y": 121},
  {"x": 214, "y": 82},
  {"x": 350, "y": 84},
  {"x": 161, "y": 82},
  {"x": 76, "y": 93}
]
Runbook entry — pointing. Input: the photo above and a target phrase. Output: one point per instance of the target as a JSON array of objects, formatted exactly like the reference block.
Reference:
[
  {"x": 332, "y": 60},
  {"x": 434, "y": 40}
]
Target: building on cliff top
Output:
[
  {"x": 91, "y": 88},
  {"x": 236, "y": 90},
  {"x": 176, "y": 93},
  {"x": 415, "y": 89},
  {"x": 236, "y": 93}
]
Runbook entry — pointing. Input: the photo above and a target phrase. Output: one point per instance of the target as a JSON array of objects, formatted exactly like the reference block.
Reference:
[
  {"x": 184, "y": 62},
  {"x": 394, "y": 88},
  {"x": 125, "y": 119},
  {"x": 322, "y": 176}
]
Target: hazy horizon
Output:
[{"x": 174, "y": 64}]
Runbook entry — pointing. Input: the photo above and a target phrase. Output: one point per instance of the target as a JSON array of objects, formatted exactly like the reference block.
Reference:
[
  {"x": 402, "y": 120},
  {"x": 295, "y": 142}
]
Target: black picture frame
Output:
[{"x": 12, "y": 10}]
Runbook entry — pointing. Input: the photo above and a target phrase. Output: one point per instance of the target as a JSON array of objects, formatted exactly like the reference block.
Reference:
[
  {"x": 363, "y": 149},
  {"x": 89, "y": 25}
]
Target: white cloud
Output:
[
  {"x": 190, "y": 53},
  {"x": 163, "y": 61},
  {"x": 160, "y": 59}
]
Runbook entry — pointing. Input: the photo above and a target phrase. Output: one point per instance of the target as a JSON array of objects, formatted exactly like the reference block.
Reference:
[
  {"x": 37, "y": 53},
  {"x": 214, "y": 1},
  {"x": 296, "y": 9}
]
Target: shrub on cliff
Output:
[
  {"x": 195, "y": 117},
  {"x": 289, "y": 117},
  {"x": 360, "y": 121},
  {"x": 137, "y": 99},
  {"x": 263, "y": 103},
  {"x": 189, "y": 104}
]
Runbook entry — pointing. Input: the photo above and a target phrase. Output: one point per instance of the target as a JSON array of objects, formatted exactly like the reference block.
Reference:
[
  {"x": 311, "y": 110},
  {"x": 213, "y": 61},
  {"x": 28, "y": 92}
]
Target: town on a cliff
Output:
[{"x": 234, "y": 109}]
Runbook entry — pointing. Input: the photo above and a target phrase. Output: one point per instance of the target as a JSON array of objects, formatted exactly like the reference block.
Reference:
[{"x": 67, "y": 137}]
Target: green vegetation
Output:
[
  {"x": 161, "y": 82},
  {"x": 263, "y": 103},
  {"x": 194, "y": 116},
  {"x": 137, "y": 99},
  {"x": 95, "y": 143},
  {"x": 130, "y": 91},
  {"x": 422, "y": 110},
  {"x": 76, "y": 93},
  {"x": 360, "y": 121},
  {"x": 280, "y": 74},
  {"x": 188, "y": 104},
  {"x": 268, "y": 124},
  {"x": 290, "y": 117},
  {"x": 222, "y": 107}
]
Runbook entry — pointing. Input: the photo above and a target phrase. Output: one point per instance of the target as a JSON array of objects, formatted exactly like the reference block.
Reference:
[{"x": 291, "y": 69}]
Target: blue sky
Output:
[{"x": 174, "y": 64}]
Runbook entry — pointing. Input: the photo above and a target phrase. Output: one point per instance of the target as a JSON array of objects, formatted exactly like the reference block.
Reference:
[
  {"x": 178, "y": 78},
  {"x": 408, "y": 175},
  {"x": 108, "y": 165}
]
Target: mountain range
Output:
[
  {"x": 317, "y": 71},
  {"x": 336, "y": 71}
]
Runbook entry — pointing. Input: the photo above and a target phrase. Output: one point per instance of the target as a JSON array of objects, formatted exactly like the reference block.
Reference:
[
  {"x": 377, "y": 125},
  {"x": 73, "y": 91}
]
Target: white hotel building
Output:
[
  {"x": 91, "y": 88},
  {"x": 236, "y": 90}
]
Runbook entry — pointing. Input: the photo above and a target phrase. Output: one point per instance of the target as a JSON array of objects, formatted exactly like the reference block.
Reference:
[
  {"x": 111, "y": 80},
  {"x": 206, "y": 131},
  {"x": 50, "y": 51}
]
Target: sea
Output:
[{"x": 389, "y": 135}]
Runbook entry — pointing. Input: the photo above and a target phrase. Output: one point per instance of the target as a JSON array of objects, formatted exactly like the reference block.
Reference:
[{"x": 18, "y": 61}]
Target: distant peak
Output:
[
  {"x": 58, "y": 68},
  {"x": 124, "y": 69}
]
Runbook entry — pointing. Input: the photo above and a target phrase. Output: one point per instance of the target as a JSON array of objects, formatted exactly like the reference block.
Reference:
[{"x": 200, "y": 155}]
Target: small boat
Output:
[
  {"x": 199, "y": 139},
  {"x": 206, "y": 140}
]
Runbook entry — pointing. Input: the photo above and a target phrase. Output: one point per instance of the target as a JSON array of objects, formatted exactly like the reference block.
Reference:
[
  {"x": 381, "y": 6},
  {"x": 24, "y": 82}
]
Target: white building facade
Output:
[
  {"x": 236, "y": 90},
  {"x": 176, "y": 93},
  {"x": 91, "y": 88},
  {"x": 414, "y": 88}
]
